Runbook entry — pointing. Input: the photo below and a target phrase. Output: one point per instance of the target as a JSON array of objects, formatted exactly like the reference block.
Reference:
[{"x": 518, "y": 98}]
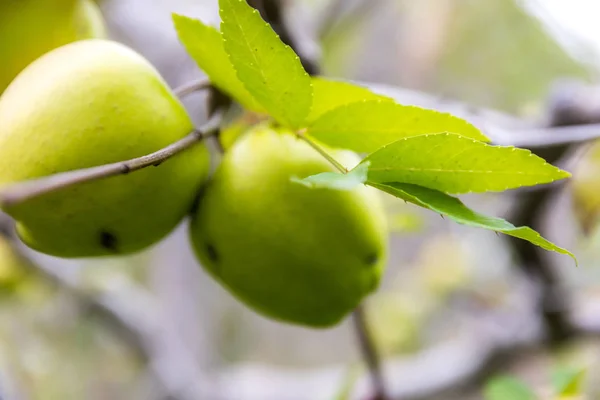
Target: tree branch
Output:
[
  {"x": 192, "y": 87},
  {"x": 502, "y": 129},
  {"x": 531, "y": 207},
  {"x": 272, "y": 12},
  {"x": 370, "y": 353},
  {"x": 487, "y": 343},
  {"x": 27, "y": 190}
]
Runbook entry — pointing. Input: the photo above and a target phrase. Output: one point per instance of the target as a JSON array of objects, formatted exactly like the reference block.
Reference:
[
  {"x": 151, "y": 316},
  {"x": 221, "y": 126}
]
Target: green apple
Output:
[
  {"x": 30, "y": 28},
  {"x": 301, "y": 255},
  {"x": 85, "y": 104}
]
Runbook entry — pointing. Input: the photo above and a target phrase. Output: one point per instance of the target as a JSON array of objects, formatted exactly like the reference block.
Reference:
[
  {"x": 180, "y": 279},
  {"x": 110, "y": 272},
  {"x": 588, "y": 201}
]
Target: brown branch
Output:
[
  {"x": 272, "y": 12},
  {"x": 370, "y": 353},
  {"x": 27, "y": 190},
  {"x": 192, "y": 87},
  {"x": 530, "y": 209}
]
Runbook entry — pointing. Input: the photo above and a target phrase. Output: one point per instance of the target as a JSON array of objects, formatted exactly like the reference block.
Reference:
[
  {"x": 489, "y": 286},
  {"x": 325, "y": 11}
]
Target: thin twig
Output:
[
  {"x": 369, "y": 353},
  {"x": 27, "y": 190},
  {"x": 192, "y": 87},
  {"x": 549, "y": 137},
  {"x": 322, "y": 152}
]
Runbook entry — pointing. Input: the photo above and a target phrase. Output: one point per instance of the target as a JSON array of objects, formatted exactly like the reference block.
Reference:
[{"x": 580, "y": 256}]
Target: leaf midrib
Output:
[
  {"x": 412, "y": 169},
  {"x": 278, "y": 96}
]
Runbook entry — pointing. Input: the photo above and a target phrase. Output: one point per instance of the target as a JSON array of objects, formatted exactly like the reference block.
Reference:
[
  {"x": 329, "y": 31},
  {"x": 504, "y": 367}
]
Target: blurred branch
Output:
[
  {"x": 504, "y": 129},
  {"x": 272, "y": 11},
  {"x": 553, "y": 303},
  {"x": 487, "y": 344},
  {"x": 369, "y": 353},
  {"x": 192, "y": 87},
  {"x": 339, "y": 11},
  {"x": 570, "y": 106}
]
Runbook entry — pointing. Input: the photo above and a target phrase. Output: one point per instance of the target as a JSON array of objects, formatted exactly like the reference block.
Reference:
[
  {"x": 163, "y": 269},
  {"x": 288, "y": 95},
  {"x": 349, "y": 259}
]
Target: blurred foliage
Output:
[
  {"x": 488, "y": 53},
  {"x": 566, "y": 384},
  {"x": 347, "y": 386},
  {"x": 497, "y": 54},
  {"x": 565, "y": 374},
  {"x": 508, "y": 388},
  {"x": 397, "y": 322},
  {"x": 400, "y": 315},
  {"x": 568, "y": 381},
  {"x": 341, "y": 44},
  {"x": 403, "y": 218},
  {"x": 55, "y": 349},
  {"x": 585, "y": 189}
]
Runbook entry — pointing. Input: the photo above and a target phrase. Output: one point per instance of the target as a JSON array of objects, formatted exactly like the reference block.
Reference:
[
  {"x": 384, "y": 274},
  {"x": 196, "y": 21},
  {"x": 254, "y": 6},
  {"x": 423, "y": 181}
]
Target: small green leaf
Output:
[
  {"x": 269, "y": 69},
  {"x": 329, "y": 94},
  {"x": 336, "y": 180},
  {"x": 205, "y": 45},
  {"x": 456, "y": 164},
  {"x": 508, "y": 388},
  {"x": 366, "y": 126},
  {"x": 453, "y": 208},
  {"x": 568, "y": 381}
]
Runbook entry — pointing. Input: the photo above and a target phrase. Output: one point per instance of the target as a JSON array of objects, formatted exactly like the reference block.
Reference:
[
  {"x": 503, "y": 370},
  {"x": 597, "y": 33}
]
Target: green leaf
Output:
[
  {"x": 508, "y": 388},
  {"x": 456, "y": 164},
  {"x": 366, "y": 126},
  {"x": 269, "y": 69},
  {"x": 205, "y": 45},
  {"x": 329, "y": 94},
  {"x": 568, "y": 381},
  {"x": 453, "y": 208},
  {"x": 336, "y": 180}
]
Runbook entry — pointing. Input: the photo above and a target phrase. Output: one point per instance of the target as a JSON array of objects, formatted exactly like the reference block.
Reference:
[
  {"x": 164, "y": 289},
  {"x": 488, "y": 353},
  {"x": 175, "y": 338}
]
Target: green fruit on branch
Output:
[
  {"x": 301, "y": 255},
  {"x": 30, "y": 28},
  {"x": 91, "y": 103}
]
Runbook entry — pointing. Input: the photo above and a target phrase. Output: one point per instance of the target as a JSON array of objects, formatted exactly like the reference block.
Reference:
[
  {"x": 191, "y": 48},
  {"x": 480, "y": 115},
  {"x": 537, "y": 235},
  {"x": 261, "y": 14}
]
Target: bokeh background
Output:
[{"x": 458, "y": 308}]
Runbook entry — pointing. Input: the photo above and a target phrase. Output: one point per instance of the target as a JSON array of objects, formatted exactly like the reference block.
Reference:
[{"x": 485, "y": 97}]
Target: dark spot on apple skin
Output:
[
  {"x": 212, "y": 254},
  {"x": 109, "y": 241},
  {"x": 372, "y": 259}
]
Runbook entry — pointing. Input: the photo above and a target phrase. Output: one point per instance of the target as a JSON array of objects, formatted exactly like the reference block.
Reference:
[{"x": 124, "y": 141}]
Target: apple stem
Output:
[
  {"x": 322, "y": 152},
  {"x": 370, "y": 353}
]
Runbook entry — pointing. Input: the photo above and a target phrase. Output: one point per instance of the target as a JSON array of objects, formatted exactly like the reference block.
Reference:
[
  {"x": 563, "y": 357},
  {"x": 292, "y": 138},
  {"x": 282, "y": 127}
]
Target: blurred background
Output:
[{"x": 459, "y": 308}]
